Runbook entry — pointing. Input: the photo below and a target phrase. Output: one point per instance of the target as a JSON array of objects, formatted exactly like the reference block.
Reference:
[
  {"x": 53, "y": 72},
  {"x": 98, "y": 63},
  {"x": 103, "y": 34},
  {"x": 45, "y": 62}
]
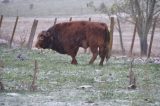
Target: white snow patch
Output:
[{"x": 13, "y": 94}]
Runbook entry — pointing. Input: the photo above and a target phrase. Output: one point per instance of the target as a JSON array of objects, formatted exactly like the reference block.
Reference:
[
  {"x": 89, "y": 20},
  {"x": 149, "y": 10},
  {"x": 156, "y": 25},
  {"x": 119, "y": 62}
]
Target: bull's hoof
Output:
[
  {"x": 91, "y": 62},
  {"x": 74, "y": 62},
  {"x": 100, "y": 64}
]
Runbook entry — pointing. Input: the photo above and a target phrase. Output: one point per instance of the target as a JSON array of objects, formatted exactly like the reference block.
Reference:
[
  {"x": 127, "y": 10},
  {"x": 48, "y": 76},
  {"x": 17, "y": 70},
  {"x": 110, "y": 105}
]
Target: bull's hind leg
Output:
[
  {"x": 102, "y": 54},
  {"x": 74, "y": 61},
  {"x": 94, "y": 51},
  {"x": 73, "y": 54}
]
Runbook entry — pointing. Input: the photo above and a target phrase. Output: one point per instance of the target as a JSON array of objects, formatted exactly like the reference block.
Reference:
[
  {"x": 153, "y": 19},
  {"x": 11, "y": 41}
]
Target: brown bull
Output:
[{"x": 67, "y": 37}]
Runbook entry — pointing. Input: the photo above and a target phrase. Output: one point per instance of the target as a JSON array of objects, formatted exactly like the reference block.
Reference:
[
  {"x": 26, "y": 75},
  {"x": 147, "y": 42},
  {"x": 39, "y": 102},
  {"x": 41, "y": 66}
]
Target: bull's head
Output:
[{"x": 43, "y": 40}]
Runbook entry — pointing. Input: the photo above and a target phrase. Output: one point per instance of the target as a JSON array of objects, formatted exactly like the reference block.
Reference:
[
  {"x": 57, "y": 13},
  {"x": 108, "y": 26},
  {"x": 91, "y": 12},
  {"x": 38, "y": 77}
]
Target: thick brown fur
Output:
[{"x": 67, "y": 37}]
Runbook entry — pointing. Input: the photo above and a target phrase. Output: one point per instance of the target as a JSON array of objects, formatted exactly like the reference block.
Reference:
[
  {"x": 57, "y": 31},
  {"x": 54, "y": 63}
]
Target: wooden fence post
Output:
[
  {"x": 33, "y": 30},
  {"x": 89, "y": 19},
  {"x": 85, "y": 50},
  {"x": 111, "y": 35},
  {"x": 1, "y": 20},
  {"x": 133, "y": 38},
  {"x": 14, "y": 29},
  {"x": 70, "y": 19},
  {"x": 120, "y": 35},
  {"x": 1, "y": 74},
  {"x": 55, "y": 21},
  {"x": 151, "y": 40}
]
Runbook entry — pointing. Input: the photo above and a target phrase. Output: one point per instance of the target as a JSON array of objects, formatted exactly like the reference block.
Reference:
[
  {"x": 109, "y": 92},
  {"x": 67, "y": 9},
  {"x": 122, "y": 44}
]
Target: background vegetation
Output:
[{"x": 47, "y": 8}]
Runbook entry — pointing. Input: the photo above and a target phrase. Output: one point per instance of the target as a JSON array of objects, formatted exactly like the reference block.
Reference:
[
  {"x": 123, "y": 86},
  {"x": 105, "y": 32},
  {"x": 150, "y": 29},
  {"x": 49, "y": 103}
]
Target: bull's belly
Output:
[{"x": 59, "y": 50}]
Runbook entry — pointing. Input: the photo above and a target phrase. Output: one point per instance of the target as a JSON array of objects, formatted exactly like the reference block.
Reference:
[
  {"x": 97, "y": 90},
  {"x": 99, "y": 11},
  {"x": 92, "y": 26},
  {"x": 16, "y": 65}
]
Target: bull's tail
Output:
[
  {"x": 107, "y": 34},
  {"x": 107, "y": 38}
]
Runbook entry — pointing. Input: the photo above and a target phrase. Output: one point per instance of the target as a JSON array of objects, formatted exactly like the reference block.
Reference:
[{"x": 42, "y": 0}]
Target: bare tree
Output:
[{"x": 144, "y": 11}]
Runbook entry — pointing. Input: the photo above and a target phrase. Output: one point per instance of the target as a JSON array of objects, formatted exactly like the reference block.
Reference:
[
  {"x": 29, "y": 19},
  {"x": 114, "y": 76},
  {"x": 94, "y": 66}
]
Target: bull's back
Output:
[
  {"x": 77, "y": 33},
  {"x": 80, "y": 28}
]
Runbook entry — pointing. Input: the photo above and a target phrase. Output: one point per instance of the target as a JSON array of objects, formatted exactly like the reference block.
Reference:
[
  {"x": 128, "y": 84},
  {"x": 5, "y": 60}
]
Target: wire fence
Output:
[{"x": 24, "y": 27}]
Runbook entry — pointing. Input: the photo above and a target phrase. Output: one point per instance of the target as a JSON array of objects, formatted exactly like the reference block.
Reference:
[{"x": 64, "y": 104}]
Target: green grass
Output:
[{"x": 61, "y": 81}]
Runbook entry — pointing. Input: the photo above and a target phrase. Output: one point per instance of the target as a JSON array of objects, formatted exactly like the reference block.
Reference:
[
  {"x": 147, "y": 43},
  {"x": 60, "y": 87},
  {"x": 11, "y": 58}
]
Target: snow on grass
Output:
[{"x": 60, "y": 83}]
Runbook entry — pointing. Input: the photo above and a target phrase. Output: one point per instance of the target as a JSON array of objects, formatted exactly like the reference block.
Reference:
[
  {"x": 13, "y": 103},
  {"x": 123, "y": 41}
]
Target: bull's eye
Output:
[{"x": 40, "y": 38}]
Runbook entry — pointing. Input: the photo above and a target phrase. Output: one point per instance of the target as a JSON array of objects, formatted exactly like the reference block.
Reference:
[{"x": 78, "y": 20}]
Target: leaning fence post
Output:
[
  {"x": 55, "y": 21},
  {"x": 1, "y": 20},
  {"x": 152, "y": 35},
  {"x": 70, "y": 19},
  {"x": 111, "y": 35},
  {"x": 1, "y": 75},
  {"x": 132, "y": 44},
  {"x": 14, "y": 29},
  {"x": 33, "y": 30}
]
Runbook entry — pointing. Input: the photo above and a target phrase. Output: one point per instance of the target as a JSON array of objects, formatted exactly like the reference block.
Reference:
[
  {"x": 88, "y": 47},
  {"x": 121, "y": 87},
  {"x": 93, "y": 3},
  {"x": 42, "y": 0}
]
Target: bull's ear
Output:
[
  {"x": 47, "y": 34},
  {"x": 41, "y": 35}
]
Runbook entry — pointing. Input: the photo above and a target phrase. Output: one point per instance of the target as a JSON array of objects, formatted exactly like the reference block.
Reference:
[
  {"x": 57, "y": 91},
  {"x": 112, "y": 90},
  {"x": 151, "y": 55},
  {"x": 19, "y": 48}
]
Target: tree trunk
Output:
[
  {"x": 143, "y": 31},
  {"x": 143, "y": 45}
]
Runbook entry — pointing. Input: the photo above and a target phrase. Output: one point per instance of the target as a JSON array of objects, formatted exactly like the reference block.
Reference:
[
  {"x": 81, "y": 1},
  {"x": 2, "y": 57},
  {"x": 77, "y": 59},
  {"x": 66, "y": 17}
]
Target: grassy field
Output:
[{"x": 61, "y": 84}]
